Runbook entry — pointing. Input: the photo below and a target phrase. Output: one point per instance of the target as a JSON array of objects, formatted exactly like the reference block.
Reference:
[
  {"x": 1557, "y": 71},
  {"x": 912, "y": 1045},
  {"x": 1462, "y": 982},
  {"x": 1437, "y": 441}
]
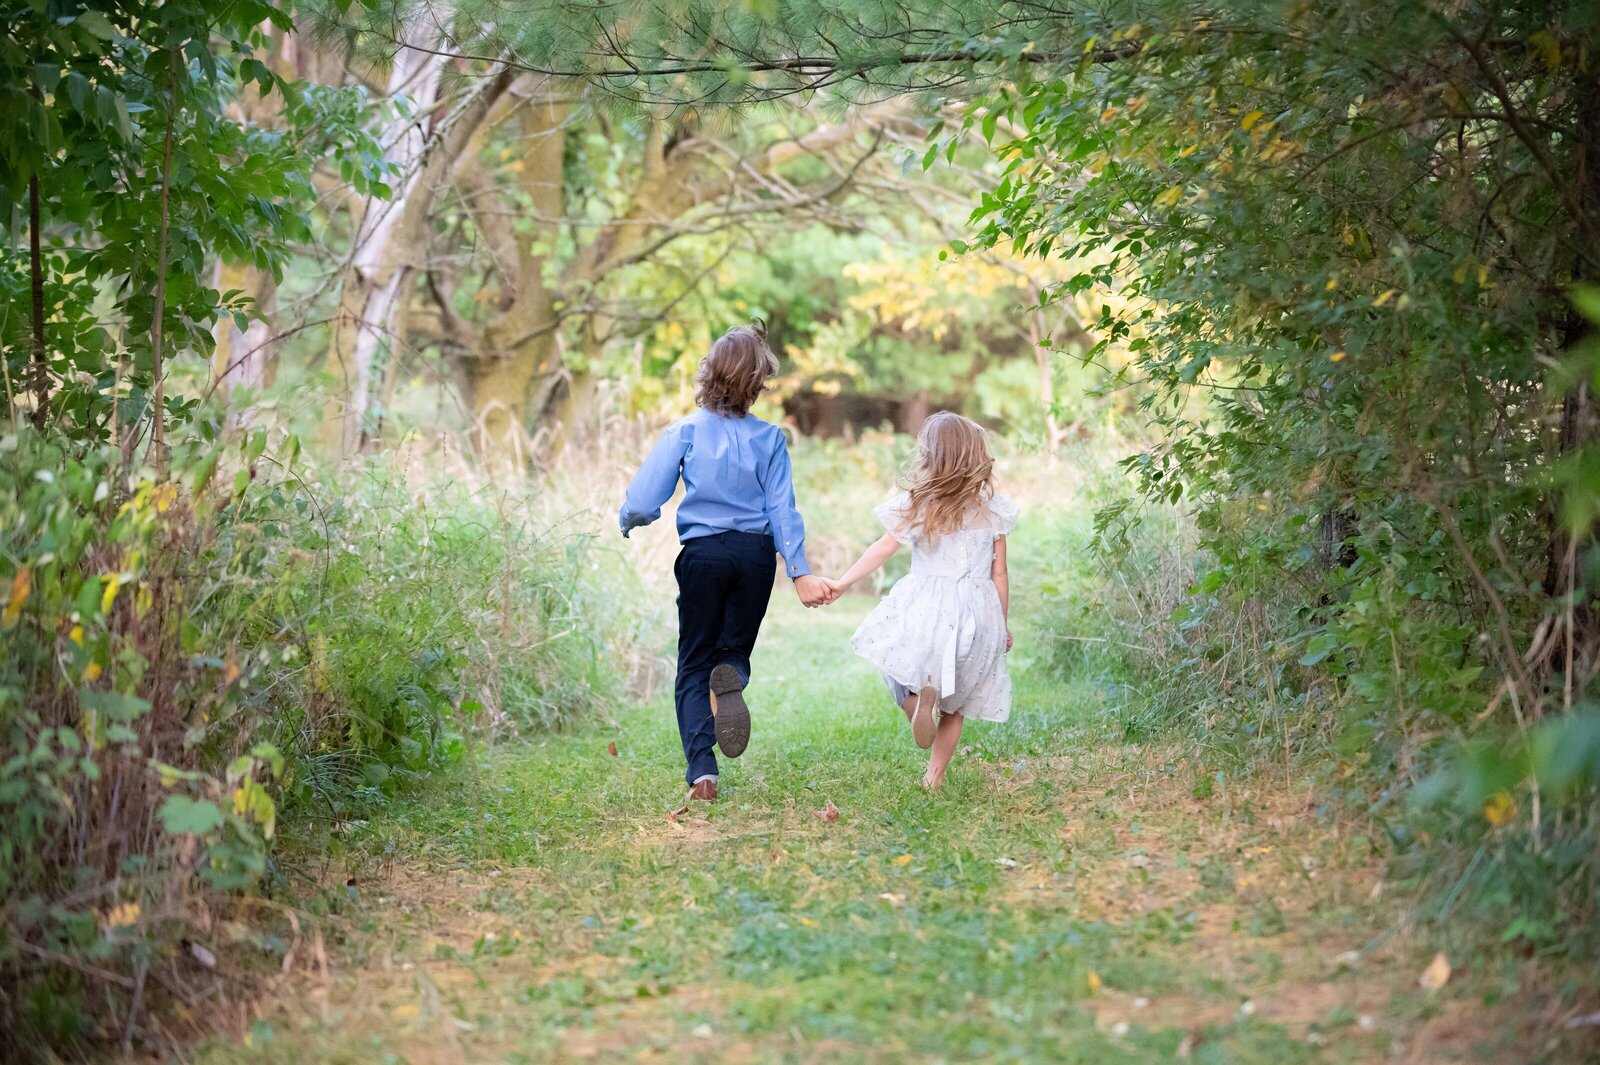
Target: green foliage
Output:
[
  {"x": 159, "y": 624},
  {"x": 117, "y": 114},
  {"x": 117, "y": 709},
  {"x": 1341, "y": 297}
]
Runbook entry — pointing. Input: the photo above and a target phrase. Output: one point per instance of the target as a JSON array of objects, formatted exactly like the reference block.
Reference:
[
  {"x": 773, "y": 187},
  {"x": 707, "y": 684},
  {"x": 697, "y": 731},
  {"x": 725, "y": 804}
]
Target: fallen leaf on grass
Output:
[
  {"x": 200, "y": 953},
  {"x": 829, "y": 813},
  {"x": 1436, "y": 975},
  {"x": 611, "y": 749},
  {"x": 904, "y": 859},
  {"x": 674, "y": 815},
  {"x": 892, "y": 898},
  {"x": 1094, "y": 983}
]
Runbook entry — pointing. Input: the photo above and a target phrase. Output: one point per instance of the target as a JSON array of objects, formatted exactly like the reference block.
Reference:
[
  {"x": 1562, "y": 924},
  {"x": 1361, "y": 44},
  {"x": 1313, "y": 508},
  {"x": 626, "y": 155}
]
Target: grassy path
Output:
[{"x": 1066, "y": 898}]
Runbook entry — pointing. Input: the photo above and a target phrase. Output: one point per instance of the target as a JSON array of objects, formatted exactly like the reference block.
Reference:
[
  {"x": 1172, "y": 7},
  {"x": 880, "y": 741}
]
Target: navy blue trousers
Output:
[{"x": 724, "y": 584}]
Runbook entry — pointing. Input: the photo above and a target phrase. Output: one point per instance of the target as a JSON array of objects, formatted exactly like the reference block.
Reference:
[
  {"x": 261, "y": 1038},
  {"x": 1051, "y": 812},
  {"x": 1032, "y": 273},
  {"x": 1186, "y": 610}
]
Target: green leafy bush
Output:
[{"x": 193, "y": 656}]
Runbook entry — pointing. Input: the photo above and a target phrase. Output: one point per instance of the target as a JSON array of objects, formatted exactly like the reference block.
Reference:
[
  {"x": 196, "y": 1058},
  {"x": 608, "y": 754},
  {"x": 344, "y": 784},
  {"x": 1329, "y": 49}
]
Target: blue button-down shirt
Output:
[{"x": 736, "y": 478}]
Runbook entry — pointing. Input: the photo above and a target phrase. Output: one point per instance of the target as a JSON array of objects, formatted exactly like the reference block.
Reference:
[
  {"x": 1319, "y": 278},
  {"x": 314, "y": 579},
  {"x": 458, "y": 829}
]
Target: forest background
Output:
[{"x": 330, "y": 330}]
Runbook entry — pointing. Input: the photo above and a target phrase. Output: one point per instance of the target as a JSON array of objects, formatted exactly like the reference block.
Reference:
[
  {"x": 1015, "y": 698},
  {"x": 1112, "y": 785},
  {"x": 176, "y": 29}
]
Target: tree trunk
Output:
[
  {"x": 381, "y": 258},
  {"x": 41, "y": 361},
  {"x": 1579, "y": 419},
  {"x": 518, "y": 347}
]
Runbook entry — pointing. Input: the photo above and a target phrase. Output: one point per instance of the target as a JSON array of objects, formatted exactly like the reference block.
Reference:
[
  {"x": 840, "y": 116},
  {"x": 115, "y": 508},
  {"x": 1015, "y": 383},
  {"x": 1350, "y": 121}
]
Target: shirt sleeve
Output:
[
  {"x": 788, "y": 529},
  {"x": 655, "y": 482}
]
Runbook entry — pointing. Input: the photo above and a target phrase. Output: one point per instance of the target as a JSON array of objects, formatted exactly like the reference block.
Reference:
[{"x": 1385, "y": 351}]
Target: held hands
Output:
[{"x": 816, "y": 591}]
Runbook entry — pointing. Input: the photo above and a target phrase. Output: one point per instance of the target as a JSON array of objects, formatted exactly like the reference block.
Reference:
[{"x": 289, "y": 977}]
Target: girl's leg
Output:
[{"x": 945, "y": 741}]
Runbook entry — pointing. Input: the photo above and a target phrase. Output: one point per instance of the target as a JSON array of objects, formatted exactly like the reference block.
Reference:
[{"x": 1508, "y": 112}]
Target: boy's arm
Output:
[
  {"x": 655, "y": 482},
  {"x": 788, "y": 529}
]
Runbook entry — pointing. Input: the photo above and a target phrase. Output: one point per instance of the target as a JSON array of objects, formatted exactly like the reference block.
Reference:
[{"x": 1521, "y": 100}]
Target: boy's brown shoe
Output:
[
  {"x": 729, "y": 709},
  {"x": 704, "y": 790}
]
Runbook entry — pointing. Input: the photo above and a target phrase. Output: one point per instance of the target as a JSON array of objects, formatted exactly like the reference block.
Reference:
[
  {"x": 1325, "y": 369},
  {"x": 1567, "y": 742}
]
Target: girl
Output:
[{"x": 940, "y": 636}]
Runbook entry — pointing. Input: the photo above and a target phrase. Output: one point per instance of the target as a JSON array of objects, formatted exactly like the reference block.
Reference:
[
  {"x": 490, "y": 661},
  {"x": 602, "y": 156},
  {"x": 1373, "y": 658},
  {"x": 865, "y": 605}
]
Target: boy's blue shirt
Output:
[{"x": 736, "y": 478}]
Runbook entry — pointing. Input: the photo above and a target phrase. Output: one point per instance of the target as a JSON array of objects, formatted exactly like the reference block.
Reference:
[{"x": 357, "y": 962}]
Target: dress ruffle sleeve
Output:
[
  {"x": 892, "y": 513},
  {"x": 1005, "y": 515}
]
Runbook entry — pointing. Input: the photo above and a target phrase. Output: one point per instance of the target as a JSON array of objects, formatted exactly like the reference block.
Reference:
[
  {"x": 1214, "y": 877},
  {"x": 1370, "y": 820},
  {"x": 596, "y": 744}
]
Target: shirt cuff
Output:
[{"x": 797, "y": 567}]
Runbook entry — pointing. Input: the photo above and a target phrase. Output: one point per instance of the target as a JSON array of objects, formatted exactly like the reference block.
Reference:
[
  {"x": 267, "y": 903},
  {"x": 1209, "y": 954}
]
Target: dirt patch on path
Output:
[{"x": 1279, "y": 911}]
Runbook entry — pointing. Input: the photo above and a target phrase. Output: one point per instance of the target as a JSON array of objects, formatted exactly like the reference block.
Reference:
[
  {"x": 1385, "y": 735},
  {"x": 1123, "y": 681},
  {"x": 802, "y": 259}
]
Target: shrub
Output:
[{"x": 192, "y": 655}]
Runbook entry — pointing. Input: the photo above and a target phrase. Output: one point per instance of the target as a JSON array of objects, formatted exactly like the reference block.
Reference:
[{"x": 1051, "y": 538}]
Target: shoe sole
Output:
[
  {"x": 732, "y": 714},
  {"x": 925, "y": 718}
]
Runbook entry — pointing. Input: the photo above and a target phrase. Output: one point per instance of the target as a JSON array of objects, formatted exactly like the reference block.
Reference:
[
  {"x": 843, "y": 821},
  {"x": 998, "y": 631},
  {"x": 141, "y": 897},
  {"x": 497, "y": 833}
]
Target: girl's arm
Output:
[
  {"x": 1002, "y": 583},
  {"x": 870, "y": 560}
]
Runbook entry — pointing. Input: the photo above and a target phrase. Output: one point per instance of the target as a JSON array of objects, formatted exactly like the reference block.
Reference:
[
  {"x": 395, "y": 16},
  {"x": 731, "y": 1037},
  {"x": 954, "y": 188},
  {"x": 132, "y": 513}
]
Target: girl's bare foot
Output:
[{"x": 931, "y": 782}]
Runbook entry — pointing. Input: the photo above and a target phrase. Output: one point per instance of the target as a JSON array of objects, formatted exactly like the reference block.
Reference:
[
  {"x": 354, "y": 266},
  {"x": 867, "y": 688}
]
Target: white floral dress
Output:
[{"x": 942, "y": 623}]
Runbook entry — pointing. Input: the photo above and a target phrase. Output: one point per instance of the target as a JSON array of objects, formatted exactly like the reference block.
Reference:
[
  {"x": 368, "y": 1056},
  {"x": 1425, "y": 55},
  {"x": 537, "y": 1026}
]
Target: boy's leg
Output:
[
  {"x": 704, "y": 576},
  {"x": 745, "y": 607}
]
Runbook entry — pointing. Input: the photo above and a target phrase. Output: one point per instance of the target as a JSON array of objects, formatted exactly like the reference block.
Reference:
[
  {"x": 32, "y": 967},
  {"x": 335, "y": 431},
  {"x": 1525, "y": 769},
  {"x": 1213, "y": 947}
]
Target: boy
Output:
[{"x": 738, "y": 510}]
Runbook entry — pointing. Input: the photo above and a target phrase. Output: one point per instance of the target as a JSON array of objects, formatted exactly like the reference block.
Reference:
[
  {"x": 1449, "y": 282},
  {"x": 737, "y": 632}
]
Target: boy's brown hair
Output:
[{"x": 735, "y": 372}]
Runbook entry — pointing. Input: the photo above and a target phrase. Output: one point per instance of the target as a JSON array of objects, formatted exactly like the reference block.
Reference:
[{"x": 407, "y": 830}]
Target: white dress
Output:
[{"x": 942, "y": 624}]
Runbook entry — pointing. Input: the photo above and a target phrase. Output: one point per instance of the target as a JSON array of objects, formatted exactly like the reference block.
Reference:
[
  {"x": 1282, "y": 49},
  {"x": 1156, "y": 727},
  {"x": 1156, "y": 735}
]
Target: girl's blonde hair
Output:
[
  {"x": 735, "y": 372},
  {"x": 952, "y": 476}
]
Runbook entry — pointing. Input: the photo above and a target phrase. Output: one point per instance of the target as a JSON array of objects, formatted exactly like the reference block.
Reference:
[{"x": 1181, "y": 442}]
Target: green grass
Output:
[{"x": 545, "y": 908}]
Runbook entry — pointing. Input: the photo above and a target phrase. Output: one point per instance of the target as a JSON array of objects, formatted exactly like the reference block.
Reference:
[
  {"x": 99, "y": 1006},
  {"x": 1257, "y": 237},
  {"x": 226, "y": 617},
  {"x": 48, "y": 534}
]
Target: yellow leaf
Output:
[
  {"x": 164, "y": 496},
  {"x": 808, "y": 922},
  {"x": 1094, "y": 983},
  {"x": 1170, "y": 196},
  {"x": 1384, "y": 297},
  {"x": 1189, "y": 151},
  {"x": 1109, "y": 113},
  {"x": 1436, "y": 975},
  {"x": 122, "y": 916},
  {"x": 1500, "y": 809},
  {"x": 1549, "y": 46},
  {"x": 1337, "y": 356},
  {"x": 109, "y": 596},
  {"x": 904, "y": 859},
  {"x": 1250, "y": 120},
  {"x": 76, "y": 635},
  {"x": 21, "y": 585},
  {"x": 1333, "y": 283},
  {"x": 91, "y": 672}
]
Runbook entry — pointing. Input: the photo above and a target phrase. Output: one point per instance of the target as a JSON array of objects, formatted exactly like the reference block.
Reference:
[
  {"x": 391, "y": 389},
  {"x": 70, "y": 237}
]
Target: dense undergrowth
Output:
[
  {"x": 199, "y": 654},
  {"x": 1197, "y": 631}
]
